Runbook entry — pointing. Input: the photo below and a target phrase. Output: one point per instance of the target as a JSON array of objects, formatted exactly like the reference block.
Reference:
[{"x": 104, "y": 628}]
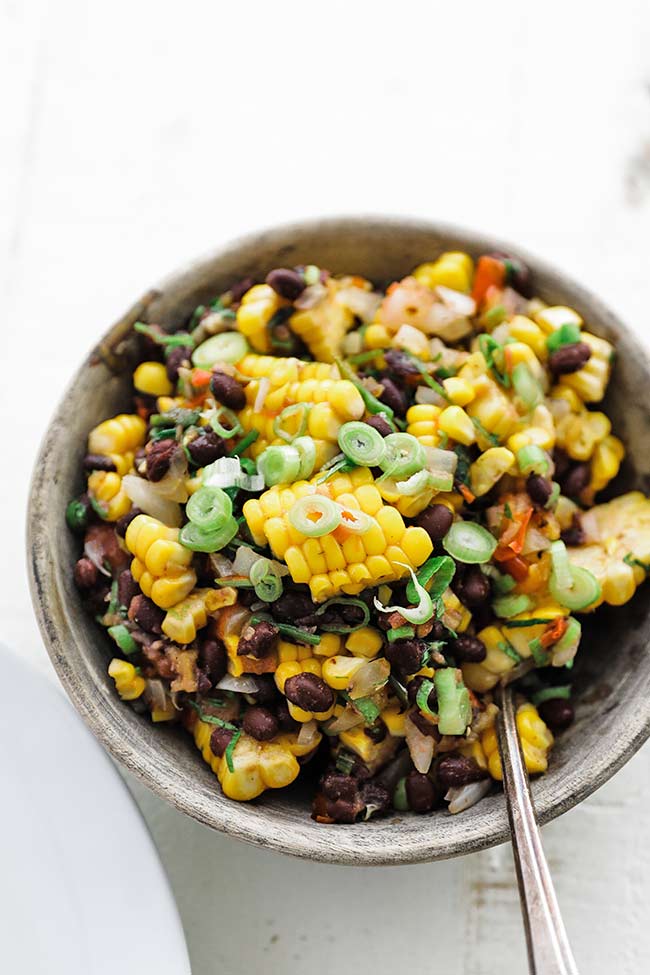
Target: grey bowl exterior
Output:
[{"x": 613, "y": 678}]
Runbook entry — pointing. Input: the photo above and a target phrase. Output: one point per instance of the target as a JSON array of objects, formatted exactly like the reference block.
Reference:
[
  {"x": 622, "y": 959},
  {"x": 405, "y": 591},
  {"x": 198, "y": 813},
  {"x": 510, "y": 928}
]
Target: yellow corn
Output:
[
  {"x": 338, "y": 671},
  {"x": 280, "y": 371},
  {"x": 377, "y": 336},
  {"x": 151, "y": 378},
  {"x": 364, "y": 642},
  {"x": 257, "y": 765},
  {"x": 489, "y": 468},
  {"x": 605, "y": 462},
  {"x": 551, "y": 318},
  {"x": 455, "y": 422},
  {"x": 422, "y": 422},
  {"x": 105, "y": 487},
  {"x": 128, "y": 683},
  {"x": 373, "y": 754},
  {"x": 395, "y": 720},
  {"x": 579, "y": 433},
  {"x": 301, "y": 664},
  {"x": 161, "y": 566},
  {"x": 484, "y": 676},
  {"x": 536, "y": 742},
  {"x": 623, "y": 527},
  {"x": 474, "y": 749},
  {"x": 117, "y": 435},
  {"x": 492, "y": 408},
  {"x": 453, "y": 269},
  {"x": 525, "y": 330},
  {"x": 257, "y": 308},
  {"x": 191, "y": 614},
  {"x": 323, "y": 326},
  {"x": 460, "y": 391},
  {"x": 340, "y": 562},
  {"x": 591, "y": 381}
]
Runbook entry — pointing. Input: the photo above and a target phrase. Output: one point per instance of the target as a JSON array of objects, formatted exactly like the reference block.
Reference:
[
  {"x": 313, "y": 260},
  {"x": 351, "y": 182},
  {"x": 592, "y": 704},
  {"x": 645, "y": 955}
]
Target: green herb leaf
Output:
[
  {"x": 490, "y": 437},
  {"x": 367, "y": 708},
  {"x": 533, "y": 621}
]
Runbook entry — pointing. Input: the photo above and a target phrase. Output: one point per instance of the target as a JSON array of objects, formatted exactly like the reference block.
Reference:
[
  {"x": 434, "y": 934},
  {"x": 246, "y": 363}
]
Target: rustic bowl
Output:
[{"x": 613, "y": 675}]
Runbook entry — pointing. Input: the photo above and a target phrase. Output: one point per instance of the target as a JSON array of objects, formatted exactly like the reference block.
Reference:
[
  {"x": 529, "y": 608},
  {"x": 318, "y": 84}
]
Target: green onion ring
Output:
[
  {"x": 526, "y": 386},
  {"x": 404, "y": 455},
  {"x": 361, "y": 443},
  {"x": 198, "y": 540},
  {"x": 288, "y": 411},
  {"x": 315, "y": 515},
  {"x": 344, "y": 628},
  {"x": 235, "y": 428},
  {"x": 307, "y": 452},
  {"x": 469, "y": 543},
  {"x": 533, "y": 460},
  {"x": 208, "y": 508},
  {"x": 279, "y": 465},
  {"x": 267, "y": 584}
]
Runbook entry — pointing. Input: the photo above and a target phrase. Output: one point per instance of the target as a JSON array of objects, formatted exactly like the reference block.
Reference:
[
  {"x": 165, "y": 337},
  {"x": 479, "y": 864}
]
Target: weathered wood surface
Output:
[{"x": 135, "y": 137}]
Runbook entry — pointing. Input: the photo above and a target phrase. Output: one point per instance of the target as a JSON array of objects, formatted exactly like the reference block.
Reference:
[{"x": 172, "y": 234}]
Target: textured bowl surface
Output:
[{"x": 613, "y": 674}]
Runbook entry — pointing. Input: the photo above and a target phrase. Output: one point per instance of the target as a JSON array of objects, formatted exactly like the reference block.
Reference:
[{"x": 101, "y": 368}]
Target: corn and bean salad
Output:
[{"x": 340, "y": 514}]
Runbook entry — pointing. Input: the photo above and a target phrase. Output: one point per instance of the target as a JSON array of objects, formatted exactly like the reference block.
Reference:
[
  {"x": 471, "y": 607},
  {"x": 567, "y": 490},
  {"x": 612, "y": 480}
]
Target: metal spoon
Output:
[{"x": 549, "y": 952}]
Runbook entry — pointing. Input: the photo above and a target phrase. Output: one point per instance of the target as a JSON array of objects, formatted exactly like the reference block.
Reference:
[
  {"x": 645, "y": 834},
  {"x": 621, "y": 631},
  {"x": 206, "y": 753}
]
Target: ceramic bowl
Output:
[{"x": 613, "y": 674}]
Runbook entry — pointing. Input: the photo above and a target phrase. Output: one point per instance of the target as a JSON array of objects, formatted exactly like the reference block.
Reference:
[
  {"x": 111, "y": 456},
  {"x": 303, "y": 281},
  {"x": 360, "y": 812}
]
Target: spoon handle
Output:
[{"x": 549, "y": 952}]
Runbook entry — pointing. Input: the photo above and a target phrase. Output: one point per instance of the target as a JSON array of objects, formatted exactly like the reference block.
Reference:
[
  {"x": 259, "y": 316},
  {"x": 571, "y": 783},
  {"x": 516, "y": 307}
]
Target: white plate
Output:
[{"x": 82, "y": 891}]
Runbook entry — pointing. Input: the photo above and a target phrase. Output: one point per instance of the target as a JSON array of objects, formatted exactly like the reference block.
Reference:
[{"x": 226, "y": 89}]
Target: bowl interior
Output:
[{"x": 612, "y": 675}]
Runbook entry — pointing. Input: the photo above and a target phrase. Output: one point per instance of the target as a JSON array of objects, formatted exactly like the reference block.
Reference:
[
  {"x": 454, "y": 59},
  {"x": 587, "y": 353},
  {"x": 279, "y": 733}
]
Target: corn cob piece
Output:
[
  {"x": 184, "y": 619},
  {"x": 118, "y": 435},
  {"x": 373, "y": 754},
  {"x": 591, "y": 381},
  {"x": 257, "y": 765},
  {"x": 280, "y": 371},
  {"x": 257, "y": 308},
  {"x": 294, "y": 661},
  {"x": 161, "y": 565},
  {"x": 112, "y": 501},
  {"x": 535, "y": 737},
  {"x": 453, "y": 269},
  {"x": 422, "y": 422},
  {"x": 340, "y": 561},
  {"x": 323, "y": 327},
  {"x": 620, "y": 557},
  {"x": 128, "y": 683}
]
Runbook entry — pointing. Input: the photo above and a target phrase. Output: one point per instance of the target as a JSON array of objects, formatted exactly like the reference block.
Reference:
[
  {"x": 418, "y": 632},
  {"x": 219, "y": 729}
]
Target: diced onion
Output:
[
  {"x": 441, "y": 460},
  {"x": 456, "y": 301},
  {"x": 424, "y": 394},
  {"x": 240, "y": 685},
  {"x": 144, "y": 496},
  {"x": 308, "y": 734},
  {"x": 421, "y": 747},
  {"x": 362, "y": 303},
  {"x": 463, "y": 797},
  {"x": 369, "y": 678},
  {"x": 262, "y": 392}
]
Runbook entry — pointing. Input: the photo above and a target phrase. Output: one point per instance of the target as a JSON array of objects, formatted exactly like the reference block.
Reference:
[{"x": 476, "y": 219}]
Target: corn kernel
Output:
[
  {"x": 151, "y": 378},
  {"x": 490, "y": 468},
  {"x": 460, "y": 391},
  {"x": 455, "y": 422},
  {"x": 364, "y": 642},
  {"x": 377, "y": 337},
  {"x": 453, "y": 269},
  {"x": 338, "y": 671}
]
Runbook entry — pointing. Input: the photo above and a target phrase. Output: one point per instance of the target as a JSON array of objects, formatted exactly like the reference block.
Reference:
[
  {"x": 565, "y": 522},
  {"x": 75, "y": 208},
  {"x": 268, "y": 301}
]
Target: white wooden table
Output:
[{"x": 137, "y": 135}]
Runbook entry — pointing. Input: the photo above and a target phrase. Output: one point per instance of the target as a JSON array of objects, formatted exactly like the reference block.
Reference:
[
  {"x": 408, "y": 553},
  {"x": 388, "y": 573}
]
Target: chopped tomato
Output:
[
  {"x": 466, "y": 493},
  {"x": 490, "y": 271},
  {"x": 516, "y": 543},
  {"x": 201, "y": 377},
  {"x": 516, "y": 567},
  {"x": 554, "y": 631}
]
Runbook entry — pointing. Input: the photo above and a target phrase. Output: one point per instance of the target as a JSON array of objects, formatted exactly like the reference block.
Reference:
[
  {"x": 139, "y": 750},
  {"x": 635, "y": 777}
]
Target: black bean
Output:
[
  {"x": 576, "y": 480},
  {"x": 266, "y": 693},
  {"x": 159, "y": 454},
  {"x": 424, "y": 725},
  {"x": 569, "y": 358},
  {"x": 257, "y": 640},
  {"x": 228, "y": 391},
  {"x": 339, "y": 786},
  {"x": 558, "y": 713},
  {"x": 393, "y": 396},
  {"x": 309, "y": 692},
  {"x": 380, "y": 425},
  {"x": 292, "y": 606},
  {"x": 219, "y": 740},
  {"x": 214, "y": 659},
  {"x": 286, "y": 722},
  {"x": 146, "y": 614},
  {"x": 85, "y": 574},
  {"x": 376, "y": 795},
  {"x": 402, "y": 365},
  {"x": 517, "y": 273},
  {"x": 260, "y": 724},
  {"x": 98, "y": 462},
  {"x": 420, "y": 792},
  {"x": 468, "y": 649},
  {"x": 436, "y": 521},
  {"x": 239, "y": 289},
  {"x": 177, "y": 357},
  {"x": 285, "y": 282},
  {"x": 127, "y": 588},
  {"x": 455, "y": 770},
  {"x": 561, "y": 462},
  {"x": 123, "y": 523},
  {"x": 473, "y": 587},
  {"x": 405, "y": 655},
  {"x": 207, "y": 448},
  {"x": 376, "y": 732},
  {"x": 539, "y": 489},
  {"x": 574, "y": 534}
]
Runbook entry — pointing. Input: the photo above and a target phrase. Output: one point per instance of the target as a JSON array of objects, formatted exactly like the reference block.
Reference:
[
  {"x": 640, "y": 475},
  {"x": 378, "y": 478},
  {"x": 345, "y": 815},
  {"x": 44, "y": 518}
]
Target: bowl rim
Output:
[{"x": 339, "y": 845}]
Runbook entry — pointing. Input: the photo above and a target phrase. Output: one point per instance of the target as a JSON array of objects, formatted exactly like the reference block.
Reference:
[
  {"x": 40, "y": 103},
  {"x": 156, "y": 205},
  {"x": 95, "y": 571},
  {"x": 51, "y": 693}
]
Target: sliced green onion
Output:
[
  {"x": 400, "y": 798},
  {"x": 454, "y": 707},
  {"x": 533, "y": 460},
  {"x": 224, "y": 347},
  {"x": 243, "y": 445},
  {"x": 267, "y": 584},
  {"x": 551, "y": 694},
  {"x": 422, "y": 697},
  {"x": 235, "y": 427},
  {"x": 421, "y": 613},
  {"x": 491, "y": 438},
  {"x": 344, "y": 627},
  {"x": 307, "y": 452},
  {"x": 493, "y": 316},
  {"x": 176, "y": 417},
  {"x": 538, "y": 653},
  {"x": 76, "y": 515},
  {"x": 315, "y": 515},
  {"x": 362, "y": 444},
  {"x": 567, "y": 334},
  {"x": 404, "y": 455},
  {"x": 163, "y": 433},
  {"x": 169, "y": 340},
  {"x": 502, "y": 582},
  {"x": 311, "y": 274},
  {"x": 489, "y": 349},
  {"x": 123, "y": 638},
  {"x": 555, "y": 494},
  {"x": 569, "y": 639},
  {"x": 423, "y": 481},
  {"x": 435, "y": 575},
  {"x": 198, "y": 540},
  {"x": 522, "y": 624},
  {"x": 373, "y": 405},
  {"x": 400, "y": 633},
  {"x": 507, "y": 606},
  {"x": 208, "y": 508},
  {"x": 509, "y": 651},
  {"x": 285, "y": 629},
  {"x": 356, "y": 521},
  {"x": 212, "y": 719},
  {"x": 345, "y": 762},
  {"x": 469, "y": 543},
  {"x": 428, "y": 378},
  {"x": 526, "y": 386},
  {"x": 279, "y": 465},
  {"x": 366, "y": 707},
  {"x": 293, "y": 410},
  {"x": 572, "y": 586}
]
